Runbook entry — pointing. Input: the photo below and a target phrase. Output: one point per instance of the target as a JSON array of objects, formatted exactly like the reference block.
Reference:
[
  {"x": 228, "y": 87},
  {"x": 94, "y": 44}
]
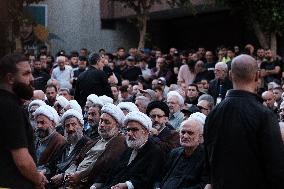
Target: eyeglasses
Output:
[
  {"x": 202, "y": 108},
  {"x": 133, "y": 129},
  {"x": 153, "y": 116},
  {"x": 191, "y": 89}
]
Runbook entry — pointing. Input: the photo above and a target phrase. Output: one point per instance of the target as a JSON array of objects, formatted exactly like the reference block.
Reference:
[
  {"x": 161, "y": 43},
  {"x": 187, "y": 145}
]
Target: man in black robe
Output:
[
  {"x": 242, "y": 137},
  {"x": 140, "y": 165},
  {"x": 185, "y": 167}
]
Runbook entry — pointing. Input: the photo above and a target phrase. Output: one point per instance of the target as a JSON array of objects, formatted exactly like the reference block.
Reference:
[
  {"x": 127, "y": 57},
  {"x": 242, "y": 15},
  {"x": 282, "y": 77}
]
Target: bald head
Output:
[
  {"x": 243, "y": 69},
  {"x": 39, "y": 95},
  {"x": 268, "y": 98}
]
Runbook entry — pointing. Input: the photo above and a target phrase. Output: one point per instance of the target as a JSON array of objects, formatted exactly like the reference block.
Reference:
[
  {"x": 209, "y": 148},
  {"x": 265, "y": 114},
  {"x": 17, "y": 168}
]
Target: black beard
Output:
[
  {"x": 41, "y": 133},
  {"x": 22, "y": 90}
]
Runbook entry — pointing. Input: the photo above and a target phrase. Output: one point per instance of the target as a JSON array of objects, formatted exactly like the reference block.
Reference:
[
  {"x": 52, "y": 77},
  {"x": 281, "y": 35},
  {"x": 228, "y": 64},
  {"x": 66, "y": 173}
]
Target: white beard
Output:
[{"x": 137, "y": 143}]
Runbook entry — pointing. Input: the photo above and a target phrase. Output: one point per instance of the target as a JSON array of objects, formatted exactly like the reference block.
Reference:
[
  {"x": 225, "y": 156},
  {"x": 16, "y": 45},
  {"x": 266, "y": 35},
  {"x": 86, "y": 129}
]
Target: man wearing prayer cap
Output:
[
  {"x": 60, "y": 103},
  {"x": 94, "y": 163},
  {"x": 48, "y": 141},
  {"x": 72, "y": 122},
  {"x": 33, "y": 105},
  {"x": 141, "y": 163},
  {"x": 105, "y": 99}
]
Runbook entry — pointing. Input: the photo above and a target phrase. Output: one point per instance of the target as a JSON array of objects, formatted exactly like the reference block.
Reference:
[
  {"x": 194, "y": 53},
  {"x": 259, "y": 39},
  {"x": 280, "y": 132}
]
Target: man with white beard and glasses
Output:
[
  {"x": 17, "y": 159},
  {"x": 94, "y": 163},
  {"x": 141, "y": 163},
  {"x": 73, "y": 122}
]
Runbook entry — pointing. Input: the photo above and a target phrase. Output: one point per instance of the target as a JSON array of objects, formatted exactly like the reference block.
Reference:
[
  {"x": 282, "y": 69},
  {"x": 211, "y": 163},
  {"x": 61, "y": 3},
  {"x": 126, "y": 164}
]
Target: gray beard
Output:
[
  {"x": 108, "y": 134},
  {"x": 74, "y": 138},
  {"x": 137, "y": 143}
]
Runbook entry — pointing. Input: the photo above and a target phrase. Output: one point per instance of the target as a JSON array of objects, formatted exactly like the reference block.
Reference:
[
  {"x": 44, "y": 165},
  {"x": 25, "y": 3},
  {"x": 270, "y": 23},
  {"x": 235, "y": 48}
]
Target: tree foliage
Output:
[
  {"x": 268, "y": 13},
  {"x": 142, "y": 10}
]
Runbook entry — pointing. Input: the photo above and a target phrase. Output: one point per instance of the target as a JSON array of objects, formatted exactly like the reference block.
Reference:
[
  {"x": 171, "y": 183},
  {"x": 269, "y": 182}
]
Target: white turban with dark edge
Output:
[
  {"x": 114, "y": 111},
  {"x": 74, "y": 113},
  {"x": 49, "y": 112},
  {"x": 36, "y": 103},
  {"x": 105, "y": 99},
  {"x": 95, "y": 100},
  {"x": 129, "y": 106},
  {"x": 140, "y": 117}
]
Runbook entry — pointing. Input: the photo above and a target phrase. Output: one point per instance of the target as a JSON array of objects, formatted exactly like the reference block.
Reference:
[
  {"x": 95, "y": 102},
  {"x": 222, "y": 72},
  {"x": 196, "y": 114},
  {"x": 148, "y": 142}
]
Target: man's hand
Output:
[
  {"x": 208, "y": 186},
  {"x": 120, "y": 186},
  {"x": 57, "y": 179},
  {"x": 154, "y": 132},
  {"x": 74, "y": 179},
  {"x": 43, "y": 181}
]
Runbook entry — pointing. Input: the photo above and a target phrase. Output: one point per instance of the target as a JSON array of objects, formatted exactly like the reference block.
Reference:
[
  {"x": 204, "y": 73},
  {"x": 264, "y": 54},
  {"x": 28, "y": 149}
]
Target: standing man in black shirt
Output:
[
  {"x": 242, "y": 138},
  {"x": 17, "y": 166},
  {"x": 92, "y": 81}
]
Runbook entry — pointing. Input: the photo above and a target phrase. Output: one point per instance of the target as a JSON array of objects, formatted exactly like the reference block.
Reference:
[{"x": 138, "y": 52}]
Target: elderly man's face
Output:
[
  {"x": 158, "y": 118},
  {"x": 173, "y": 104},
  {"x": 108, "y": 127},
  {"x": 203, "y": 106},
  {"x": 190, "y": 134},
  {"x": 44, "y": 126},
  {"x": 219, "y": 72},
  {"x": 269, "y": 99},
  {"x": 94, "y": 116},
  {"x": 73, "y": 130},
  {"x": 140, "y": 106},
  {"x": 137, "y": 135}
]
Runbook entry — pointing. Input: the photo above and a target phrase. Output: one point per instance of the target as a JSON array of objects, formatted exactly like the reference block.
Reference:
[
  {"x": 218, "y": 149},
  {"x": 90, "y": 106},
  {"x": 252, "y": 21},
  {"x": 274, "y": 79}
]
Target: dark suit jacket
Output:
[
  {"x": 193, "y": 175},
  {"x": 143, "y": 171},
  {"x": 214, "y": 88},
  {"x": 91, "y": 81}
]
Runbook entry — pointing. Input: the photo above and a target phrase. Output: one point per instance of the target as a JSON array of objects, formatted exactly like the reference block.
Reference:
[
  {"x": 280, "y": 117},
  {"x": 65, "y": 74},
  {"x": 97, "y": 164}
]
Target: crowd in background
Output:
[{"x": 134, "y": 119}]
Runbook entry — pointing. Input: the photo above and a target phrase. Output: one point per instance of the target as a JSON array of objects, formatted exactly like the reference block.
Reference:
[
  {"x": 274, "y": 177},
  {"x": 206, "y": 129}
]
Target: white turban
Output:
[
  {"x": 129, "y": 106},
  {"x": 36, "y": 103},
  {"x": 73, "y": 104},
  {"x": 200, "y": 117},
  {"x": 95, "y": 100},
  {"x": 62, "y": 101},
  {"x": 49, "y": 112},
  {"x": 74, "y": 113},
  {"x": 140, "y": 117},
  {"x": 105, "y": 99},
  {"x": 114, "y": 111},
  {"x": 175, "y": 93}
]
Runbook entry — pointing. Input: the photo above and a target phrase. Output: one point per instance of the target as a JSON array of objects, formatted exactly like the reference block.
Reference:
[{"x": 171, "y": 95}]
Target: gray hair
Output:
[
  {"x": 222, "y": 65},
  {"x": 208, "y": 98},
  {"x": 145, "y": 101},
  {"x": 176, "y": 94}
]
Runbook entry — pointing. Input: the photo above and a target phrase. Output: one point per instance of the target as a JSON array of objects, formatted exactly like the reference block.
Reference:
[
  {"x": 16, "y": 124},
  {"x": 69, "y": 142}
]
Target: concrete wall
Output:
[{"x": 78, "y": 23}]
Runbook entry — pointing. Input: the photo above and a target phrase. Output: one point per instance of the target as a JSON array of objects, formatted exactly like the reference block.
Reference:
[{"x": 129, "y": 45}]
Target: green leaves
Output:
[{"x": 269, "y": 13}]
